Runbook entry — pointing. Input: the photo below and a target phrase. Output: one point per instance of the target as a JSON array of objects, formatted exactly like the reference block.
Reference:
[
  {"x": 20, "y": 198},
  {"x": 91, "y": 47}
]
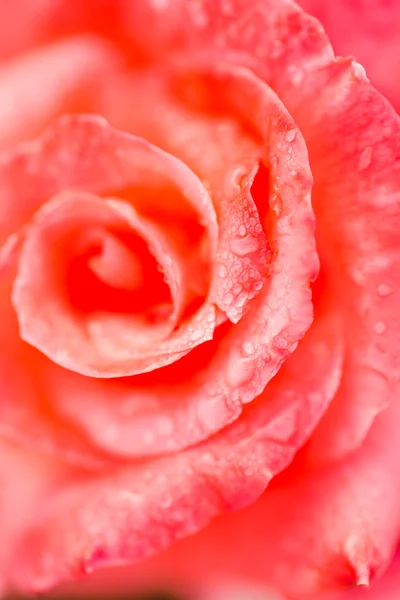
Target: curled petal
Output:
[
  {"x": 208, "y": 390},
  {"x": 102, "y": 342},
  {"x": 140, "y": 510},
  {"x": 368, "y": 31},
  {"x": 358, "y": 237}
]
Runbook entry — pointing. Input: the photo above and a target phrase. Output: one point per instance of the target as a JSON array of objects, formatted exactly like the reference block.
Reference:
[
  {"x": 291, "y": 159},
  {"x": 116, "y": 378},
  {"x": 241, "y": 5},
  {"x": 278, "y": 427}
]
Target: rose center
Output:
[{"x": 115, "y": 271}]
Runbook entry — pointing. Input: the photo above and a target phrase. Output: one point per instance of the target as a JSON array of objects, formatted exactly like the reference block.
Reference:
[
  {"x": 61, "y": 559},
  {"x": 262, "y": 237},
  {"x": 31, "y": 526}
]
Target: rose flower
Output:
[{"x": 199, "y": 271}]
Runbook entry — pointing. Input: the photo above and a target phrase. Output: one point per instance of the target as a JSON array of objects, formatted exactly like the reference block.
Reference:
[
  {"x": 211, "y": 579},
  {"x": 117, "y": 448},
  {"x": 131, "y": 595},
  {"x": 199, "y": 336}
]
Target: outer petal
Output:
[
  {"x": 37, "y": 87},
  {"x": 368, "y": 30},
  {"x": 25, "y": 481},
  {"x": 25, "y": 24},
  {"x": 309, "y": 534},
  {"x": 138, "y": 511},
  {"x": 388, "y": 588}
]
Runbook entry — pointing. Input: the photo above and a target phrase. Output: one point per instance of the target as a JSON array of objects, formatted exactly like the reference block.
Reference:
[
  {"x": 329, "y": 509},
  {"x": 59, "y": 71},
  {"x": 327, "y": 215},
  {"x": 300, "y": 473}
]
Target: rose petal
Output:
[
  {"x": 97, "y": 343},
  {"x": 128, "y": 515},
  {"x": 63, "y": 76},
  {"x": 26, "y": 24},
  {"x": 219, "y": 148},
  {"x": 21, "y": 496},
  {"x": 358, "y": 216},
  {"x": 368, "y": 31},
  {"x": 26, "y": 413}
]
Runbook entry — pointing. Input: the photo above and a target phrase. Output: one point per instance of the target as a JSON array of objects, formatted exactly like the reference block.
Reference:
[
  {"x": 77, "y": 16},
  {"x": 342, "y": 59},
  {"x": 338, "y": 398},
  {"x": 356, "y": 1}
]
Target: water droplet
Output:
[
  {"x": 222, "y": 271},
  {"x": 384, "y": 290},
  {"x": 359, "y": 72},
  {"x": 240, "y": 300},
  {"x": 293, "y": 173},
  {"x": 283, "y": 226},
  {"x": 242, "y": 230},
  {"x": 380, "y": 327},
  {"x": 199, "y": 16},
  {"x": 275, "y": 203},
  {"x": 240, "y": 370},
  {"x": 248, "y": 348},
  {"x": 160, "y": 5},
  {"x": 243, "y": 246},
  {"x": 296, "y": 75},
  {"x": 291, "y": 134},
  {"x": 365, "y": 159},
  {"x": 281, "y": 343},
  {"x": 357, "y": 275},
  {"x": 195, "y": 335}
]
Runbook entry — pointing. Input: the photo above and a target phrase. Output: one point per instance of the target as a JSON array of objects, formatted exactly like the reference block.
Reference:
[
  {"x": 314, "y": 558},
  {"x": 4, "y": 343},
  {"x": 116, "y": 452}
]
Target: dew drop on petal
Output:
[
  {"x": 160, "y": 5},
  {"x": 296, "y": 75},
  {"x": 359, "y": 72},
  {"x": 222, "y": 271},
  {"x": 248, "y": 348},
  {"x": 281, "y": 343},
  {"x": 365, "y": 158},
  {"x": 380, "y": 327},
  {"x": 196, "y": 335},
  {"x": 275, "y": 203},
  {"x": 384, "y": 290},
  {"x": 243, "y": 246},
  {"x": 291, "y": 134},
  {"x": 239, "y": 370},
  {"x": 240, "y": 300}
]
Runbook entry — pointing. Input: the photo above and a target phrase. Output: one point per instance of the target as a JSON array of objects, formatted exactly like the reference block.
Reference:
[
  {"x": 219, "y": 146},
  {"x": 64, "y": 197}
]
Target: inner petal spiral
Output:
[{"x": 105, "y": 287}]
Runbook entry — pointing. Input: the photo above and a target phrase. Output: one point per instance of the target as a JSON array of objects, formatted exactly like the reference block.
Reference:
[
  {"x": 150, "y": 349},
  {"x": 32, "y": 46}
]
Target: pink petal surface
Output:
[
  {"x": 135, "y": 511},
  {"x": 352, "y": 137},
  {"x": 99, "y": 344},
  {"x": 356, "y": 195},
  {"x": 346, "y": 516},
  {"x": 140, "y": 510},
  {"x": 387, "y": 588},
  {"x": 63, "y": 74},
  {"x": 368, "y": 30},
  {"x": 27, "y": 24}
]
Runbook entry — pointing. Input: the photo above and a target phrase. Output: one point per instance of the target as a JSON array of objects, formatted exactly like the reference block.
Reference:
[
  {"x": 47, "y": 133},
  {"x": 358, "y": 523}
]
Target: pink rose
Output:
[{"x": 200, "y": 254}]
